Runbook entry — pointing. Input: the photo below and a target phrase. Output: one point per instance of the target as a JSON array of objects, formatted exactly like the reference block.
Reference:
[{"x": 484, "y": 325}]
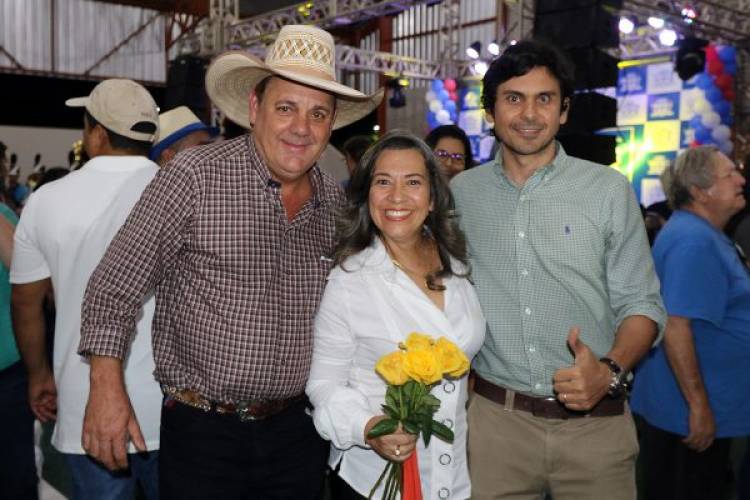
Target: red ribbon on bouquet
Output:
[{"x": 411, "y": 486}]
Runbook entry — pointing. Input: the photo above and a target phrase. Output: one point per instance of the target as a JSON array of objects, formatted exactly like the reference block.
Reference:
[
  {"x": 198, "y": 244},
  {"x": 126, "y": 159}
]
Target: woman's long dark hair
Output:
[{"x": 355, "y": 229}]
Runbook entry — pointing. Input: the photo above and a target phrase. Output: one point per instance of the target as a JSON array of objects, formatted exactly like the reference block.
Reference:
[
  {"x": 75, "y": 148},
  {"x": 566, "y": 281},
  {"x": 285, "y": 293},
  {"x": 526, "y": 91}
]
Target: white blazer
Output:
[{"x": 365, "y": 312}]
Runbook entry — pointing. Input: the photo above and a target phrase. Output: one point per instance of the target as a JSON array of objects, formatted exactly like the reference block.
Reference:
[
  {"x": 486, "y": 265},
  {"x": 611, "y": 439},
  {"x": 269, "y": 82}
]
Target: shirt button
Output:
[
  {"x": 521, "y": 234},
  {"x": 444, "y": 493},
  {"x": 449, "y": 387},
  {"x": 537, "y": 386},
  {"x": 445, "y": 459},
  {"x": 532, "y": 349},
  {"x": 527, "y": 311},
  {"x": 524, "y": 272},
  {"x": 522, "y": 197}
]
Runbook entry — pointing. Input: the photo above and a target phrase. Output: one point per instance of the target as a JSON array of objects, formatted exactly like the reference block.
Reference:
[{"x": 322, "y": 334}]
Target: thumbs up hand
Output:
[{"x": 581, "y": 386}]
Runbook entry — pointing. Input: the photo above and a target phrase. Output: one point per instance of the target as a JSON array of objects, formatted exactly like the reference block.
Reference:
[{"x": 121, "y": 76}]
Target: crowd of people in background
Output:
[{"x": 201, "y": 315}]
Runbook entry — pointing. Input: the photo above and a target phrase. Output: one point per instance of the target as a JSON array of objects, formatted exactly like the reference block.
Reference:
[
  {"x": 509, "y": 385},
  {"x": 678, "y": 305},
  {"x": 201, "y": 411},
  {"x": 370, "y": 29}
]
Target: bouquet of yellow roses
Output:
[{"x": 411, "y": 372}]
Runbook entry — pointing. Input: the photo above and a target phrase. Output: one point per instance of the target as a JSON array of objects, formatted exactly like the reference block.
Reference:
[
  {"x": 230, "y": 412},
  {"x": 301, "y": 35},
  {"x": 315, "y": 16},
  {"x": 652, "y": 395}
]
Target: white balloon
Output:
[
  {"x": 430, "y": 96},
  {"x": 436, "y": 106},
  {"x": 443, "y": 117},
  {"x": 710, "y": 119},
  {"x": 726, "y": 147},
  {"x": 701, "y": 105},
  {"x": 721, "y": 133}
]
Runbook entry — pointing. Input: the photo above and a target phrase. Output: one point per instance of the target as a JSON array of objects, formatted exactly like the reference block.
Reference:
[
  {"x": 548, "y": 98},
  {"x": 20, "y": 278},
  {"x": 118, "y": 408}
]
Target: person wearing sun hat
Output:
[
  {"x": 63, "y": 233},
  {"x": 180, "y": 129},
  {"x": 234, "y": 238}
]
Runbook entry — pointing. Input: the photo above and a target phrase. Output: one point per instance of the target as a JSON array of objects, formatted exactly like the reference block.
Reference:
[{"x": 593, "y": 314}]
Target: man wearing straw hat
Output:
[
  {"x": 180, "y": 129},
  {"x": 233, "y": 237}
]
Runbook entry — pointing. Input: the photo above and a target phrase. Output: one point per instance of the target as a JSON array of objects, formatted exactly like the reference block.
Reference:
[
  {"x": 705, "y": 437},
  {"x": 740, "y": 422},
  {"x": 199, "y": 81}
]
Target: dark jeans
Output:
[
  {"x": 92, "y": 481},
  {"x": 340, "y": 489},
  {"x": 18, "y": 479},
  {"x": 206, "y": 456},
  {"x": 743, "y": 482},
  {"x": 674, "y": 471}
]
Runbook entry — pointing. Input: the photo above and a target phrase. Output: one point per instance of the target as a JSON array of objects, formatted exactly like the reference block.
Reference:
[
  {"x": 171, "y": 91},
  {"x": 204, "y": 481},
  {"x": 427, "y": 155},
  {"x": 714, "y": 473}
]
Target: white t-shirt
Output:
[{"x": 65, "y": 228}]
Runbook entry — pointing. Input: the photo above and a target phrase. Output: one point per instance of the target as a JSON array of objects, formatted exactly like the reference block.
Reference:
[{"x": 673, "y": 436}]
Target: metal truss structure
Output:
[
  {"x": 450, "y": 25},
  {"x": 262, "y": 29}
]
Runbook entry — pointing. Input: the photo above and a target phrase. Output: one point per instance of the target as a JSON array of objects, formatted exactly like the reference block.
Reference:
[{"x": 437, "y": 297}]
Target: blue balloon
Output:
[
  {"x": 722, "y": 107},
  {"x": 703, "y": 135},
  {"x": 695, "y": 122},
  {"x": 704, "y": 81},
  {"x": 730, "y": 68},
  {"x": 714, "y": 95},
  {"x": 444, "y": 96},
  {"x": 437, "y": 85},
  {"x": 450, "y": 105},
  {"x": 727, "y": 120},
  {"x": 728, "y": 54}
]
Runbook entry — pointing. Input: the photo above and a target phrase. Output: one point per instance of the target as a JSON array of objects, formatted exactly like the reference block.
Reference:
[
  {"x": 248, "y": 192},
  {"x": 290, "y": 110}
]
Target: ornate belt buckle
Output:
[{"x": 244, "y": 413}]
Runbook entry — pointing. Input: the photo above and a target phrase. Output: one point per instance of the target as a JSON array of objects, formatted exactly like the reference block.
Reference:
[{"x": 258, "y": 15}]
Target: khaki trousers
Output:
[{"x": 517, "y": 456}]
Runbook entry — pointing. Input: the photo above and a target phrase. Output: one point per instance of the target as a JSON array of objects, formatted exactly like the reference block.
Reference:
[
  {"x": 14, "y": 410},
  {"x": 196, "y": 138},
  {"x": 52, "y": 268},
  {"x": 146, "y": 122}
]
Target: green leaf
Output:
[
  {"x": 390, "y": 411},
  {"x": 442, "y": 431},
  {"x": 385, "y": 426},
  {"x": 431, "y": 401},
  {"x": 391, "y": 397},
  {"x": 411, "y": 426},
  {"x": 426, "y": 429}
]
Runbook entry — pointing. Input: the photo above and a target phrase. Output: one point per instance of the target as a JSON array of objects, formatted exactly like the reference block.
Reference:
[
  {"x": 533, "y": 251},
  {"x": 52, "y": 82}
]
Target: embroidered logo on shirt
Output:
[{"x": 567, "y": 230}]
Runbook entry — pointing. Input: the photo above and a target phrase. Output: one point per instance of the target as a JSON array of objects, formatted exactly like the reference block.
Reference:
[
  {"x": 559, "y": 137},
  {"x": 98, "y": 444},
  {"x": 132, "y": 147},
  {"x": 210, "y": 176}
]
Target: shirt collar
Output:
[
  {"x": 322, "y": 194},
  {"x": 547, "y": 172},
  {"x": 697, "y": 219}
]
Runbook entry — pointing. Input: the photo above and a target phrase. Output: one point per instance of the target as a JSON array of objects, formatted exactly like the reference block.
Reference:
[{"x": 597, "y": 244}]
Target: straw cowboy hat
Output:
[{"x": 302, "y": 54}]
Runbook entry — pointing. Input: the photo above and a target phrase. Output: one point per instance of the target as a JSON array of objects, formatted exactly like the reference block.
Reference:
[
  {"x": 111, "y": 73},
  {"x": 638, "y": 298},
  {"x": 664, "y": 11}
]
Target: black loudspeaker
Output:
[
  {"x": 596, "y": 148},
  {"x": 186, "y": 85},
  {"x": 571, "y": 26},
  {"x": 594, "y": 68},
  {"x": 590, "y": 111}
]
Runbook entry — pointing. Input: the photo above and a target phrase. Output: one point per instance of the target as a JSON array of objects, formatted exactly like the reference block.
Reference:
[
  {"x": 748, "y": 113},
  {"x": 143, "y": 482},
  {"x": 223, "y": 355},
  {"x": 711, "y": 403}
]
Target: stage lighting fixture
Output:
[
  {"x": 667, "y": 37},
  {"x": 513, "y": 42},
  {"x": 656, "y": 22},
  {"x": 480, "y": 68},
  {"x": 494, "y": 48},
  {"x": 398, "y": 99},
  {"x": 691, "y": 57},
  {"x": 474, "y": 49},
  {"x": 626, "y": 25}
]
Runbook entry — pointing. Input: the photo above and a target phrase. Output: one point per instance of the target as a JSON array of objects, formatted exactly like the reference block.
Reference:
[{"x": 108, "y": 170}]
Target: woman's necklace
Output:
[{"x": 409, "y": 272}]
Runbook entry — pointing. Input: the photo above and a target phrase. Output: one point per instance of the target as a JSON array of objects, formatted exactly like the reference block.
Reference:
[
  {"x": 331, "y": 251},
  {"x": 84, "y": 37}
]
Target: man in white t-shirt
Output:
[{"x": 64, "y": 230}]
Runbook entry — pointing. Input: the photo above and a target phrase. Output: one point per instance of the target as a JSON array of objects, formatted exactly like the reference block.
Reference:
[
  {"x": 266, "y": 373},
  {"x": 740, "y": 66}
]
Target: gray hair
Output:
[{"x": 694, "y": 167}]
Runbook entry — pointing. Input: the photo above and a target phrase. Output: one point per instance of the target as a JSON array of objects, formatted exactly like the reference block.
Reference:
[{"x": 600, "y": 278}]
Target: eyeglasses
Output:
[{"x": 444, "y": 155}]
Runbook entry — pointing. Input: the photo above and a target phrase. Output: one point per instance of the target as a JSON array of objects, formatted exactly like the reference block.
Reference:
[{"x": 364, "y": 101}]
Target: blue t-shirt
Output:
[{"x": 702, "y": 278}]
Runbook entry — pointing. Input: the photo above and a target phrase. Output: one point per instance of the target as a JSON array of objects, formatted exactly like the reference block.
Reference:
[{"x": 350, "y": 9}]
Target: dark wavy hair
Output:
[
  {"x": 519, "y": 59},
  {"x": 454, "y": 132},
  {"x": 355, "y": 229}
]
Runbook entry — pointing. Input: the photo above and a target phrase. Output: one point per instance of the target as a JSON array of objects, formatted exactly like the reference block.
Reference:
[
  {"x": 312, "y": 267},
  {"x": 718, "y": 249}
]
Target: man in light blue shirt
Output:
[{"x": 562, "y": 267}]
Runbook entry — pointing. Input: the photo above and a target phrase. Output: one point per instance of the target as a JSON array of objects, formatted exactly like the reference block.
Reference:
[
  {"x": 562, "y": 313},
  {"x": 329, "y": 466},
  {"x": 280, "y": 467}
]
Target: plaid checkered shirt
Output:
[{"x": 237, "y": 285}]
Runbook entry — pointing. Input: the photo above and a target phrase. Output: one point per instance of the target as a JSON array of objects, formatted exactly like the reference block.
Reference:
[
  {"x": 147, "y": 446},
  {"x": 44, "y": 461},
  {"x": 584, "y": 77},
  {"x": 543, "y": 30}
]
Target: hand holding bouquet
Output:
[{"x": 411, "y": 372}]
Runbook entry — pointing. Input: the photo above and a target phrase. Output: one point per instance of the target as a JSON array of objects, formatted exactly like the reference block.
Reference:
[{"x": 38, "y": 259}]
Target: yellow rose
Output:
[
  {"x": 391, "y": 368},
  {"x": 418, "y": 341},
  {"x": 453, "y": 361},
  {"x": 423, "y": 366}
]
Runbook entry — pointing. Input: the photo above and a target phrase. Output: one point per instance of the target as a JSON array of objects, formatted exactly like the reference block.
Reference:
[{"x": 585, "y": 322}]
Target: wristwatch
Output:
[{"x": 617, "y": 384}]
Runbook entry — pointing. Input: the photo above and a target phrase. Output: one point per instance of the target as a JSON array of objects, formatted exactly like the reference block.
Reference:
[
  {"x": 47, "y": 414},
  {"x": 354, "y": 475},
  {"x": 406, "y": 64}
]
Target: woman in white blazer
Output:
[{"x": 400, "y": 267}]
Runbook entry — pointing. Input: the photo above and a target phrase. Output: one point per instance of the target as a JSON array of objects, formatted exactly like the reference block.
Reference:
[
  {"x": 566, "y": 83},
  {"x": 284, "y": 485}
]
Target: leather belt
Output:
[
  {"x": 546, "y": 407},
  {"x": 248, "y": 410}
]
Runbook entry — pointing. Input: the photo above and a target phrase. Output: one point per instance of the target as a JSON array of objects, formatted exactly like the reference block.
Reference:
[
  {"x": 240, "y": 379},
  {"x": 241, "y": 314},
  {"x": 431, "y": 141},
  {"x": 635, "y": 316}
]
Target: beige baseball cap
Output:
[{"x": 119, "y": 105}]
